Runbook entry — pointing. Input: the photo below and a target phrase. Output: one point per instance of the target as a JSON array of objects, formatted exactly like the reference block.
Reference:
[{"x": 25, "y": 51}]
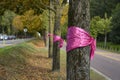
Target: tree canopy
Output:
[
  {"x": 20, "y": 6},
  {"x": 6, "y": 21},
  {"x": 94, "y": 28},
  {"x": 115, "y": 22},
  {"x": 100, "y": 7},
  {"x": 31, "y": 21}
]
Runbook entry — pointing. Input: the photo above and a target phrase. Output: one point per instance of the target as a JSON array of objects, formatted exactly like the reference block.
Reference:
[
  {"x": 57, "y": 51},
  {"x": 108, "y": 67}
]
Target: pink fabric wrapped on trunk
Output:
[
  {"x": 77, "y": 37},
  {"x": 57, "y": 38}
]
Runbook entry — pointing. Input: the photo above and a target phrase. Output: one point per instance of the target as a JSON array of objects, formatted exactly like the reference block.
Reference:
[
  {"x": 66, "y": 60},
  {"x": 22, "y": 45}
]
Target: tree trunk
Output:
[
  {"x": 57, "y": 31},
  {"x": 8, "y": 30},
  {"x": 78, "y": 60},
  {"x": 45, "y": 37},
  {"x": 105, "y": 40},
  {"x": 51, "y": 32}
]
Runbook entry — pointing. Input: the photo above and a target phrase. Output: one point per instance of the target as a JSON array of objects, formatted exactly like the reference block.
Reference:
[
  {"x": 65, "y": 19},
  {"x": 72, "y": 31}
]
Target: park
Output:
[{"x": 59, "y": 39}]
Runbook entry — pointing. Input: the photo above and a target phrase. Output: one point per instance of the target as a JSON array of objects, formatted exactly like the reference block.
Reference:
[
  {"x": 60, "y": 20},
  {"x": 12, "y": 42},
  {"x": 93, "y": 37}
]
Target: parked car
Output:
[
  {"x": 3, "y": 36},
  {"x": 11, "y": 37}
]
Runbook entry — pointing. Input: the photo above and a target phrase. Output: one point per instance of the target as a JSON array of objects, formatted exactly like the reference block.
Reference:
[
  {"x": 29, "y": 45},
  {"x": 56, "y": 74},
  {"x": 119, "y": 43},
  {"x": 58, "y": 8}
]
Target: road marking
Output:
[
  {"x": 108, "y": 56},
  {"x": 107, "y": 78}
]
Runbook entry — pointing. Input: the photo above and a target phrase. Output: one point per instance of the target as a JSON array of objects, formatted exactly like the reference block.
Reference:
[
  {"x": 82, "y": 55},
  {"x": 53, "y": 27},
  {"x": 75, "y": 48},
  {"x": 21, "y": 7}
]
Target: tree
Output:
[
  {"x": 104, "y": 27},
  {"x": 78, "y": 60},
  {"x": 17, "y": 23},
  {"x": 47, "y": 5},
  {"x": 100, "y": 7},
  {"x": 44, "y": 26},
  {"x": 9, "y": 15},
  {"x": 6, "y": 21},
  {"x": 115, "y": 23},
  {"x": 20, "y": 6},
  {"x": 64, "y": 21},
  {"x": 58, "y": 7},
  {"x": 55, "y": 7},
  {"x": 32, "y": 22},
  {"x": 94, "y": 28},
  {"x": 50, "y": 49}
]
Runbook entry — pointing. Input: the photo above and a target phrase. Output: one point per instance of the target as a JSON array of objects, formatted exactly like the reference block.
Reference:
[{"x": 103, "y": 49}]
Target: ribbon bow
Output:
[
  {"x": 77, "y": 37},
  {"x": 57, "y": 38}
]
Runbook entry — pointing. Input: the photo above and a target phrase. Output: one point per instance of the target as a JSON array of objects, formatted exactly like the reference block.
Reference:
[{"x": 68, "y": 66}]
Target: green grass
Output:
[
  {"x": 96, "y": 76},
  {"x": 15, "y": 54},
  {"x": 14, "y": 58}
]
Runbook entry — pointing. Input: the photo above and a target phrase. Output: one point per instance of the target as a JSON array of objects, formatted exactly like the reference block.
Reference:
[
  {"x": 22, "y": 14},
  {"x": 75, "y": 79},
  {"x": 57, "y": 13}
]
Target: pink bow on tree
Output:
[
  {"x": 77, "y": 37},
  {"x": 57, "y": 38}
]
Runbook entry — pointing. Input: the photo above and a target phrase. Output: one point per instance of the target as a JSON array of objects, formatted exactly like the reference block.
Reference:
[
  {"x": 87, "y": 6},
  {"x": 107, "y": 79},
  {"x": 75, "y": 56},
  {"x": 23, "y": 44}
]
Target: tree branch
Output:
[
  {"x": 64, "y": 2},
  {"x": 45, "y": 6}
]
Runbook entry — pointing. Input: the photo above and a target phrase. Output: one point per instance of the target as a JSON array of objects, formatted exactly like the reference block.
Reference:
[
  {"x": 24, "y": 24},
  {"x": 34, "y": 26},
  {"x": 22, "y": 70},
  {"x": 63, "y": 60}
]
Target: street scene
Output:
[{"x": 59, "y": 39}]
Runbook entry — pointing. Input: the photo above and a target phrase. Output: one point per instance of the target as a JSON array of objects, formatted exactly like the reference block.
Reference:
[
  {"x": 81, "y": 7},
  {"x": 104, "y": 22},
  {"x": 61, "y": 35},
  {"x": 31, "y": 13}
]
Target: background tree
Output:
[
  {"x": 58, "y": 7},
  {"x": 115, "y": 23},
  {"x": 47, "y": 5},
  {"x": 17, "y": 23},
  {"x": 64, "y": 21},
  {"x": 50, "y": 30},
  {"x": 4, "y": 23},
  {"x": 44, "y": 26},
  {"x": 78, "y": 60},
  {"x": 100, "y": 7},
  {"x": 20, "y": 6},
  {"x": 100, "y": 26},
  {"x": 94, "y": 28},
  {"x": 9, "y": 15},
  {"x": 104, "y": 27},
  {"x": 32, "y": 22}
]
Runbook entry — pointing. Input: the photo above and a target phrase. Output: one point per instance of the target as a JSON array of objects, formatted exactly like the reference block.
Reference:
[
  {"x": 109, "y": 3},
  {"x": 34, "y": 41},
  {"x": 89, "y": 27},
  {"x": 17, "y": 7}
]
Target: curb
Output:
[{"x": 107, "y": 78}]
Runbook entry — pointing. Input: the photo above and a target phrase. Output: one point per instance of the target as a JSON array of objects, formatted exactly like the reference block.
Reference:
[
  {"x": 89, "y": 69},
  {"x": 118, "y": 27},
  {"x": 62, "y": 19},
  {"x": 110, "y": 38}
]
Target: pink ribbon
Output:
[
  {"x": 77, "y": 37},
  {"x": 57, "y": 38}
]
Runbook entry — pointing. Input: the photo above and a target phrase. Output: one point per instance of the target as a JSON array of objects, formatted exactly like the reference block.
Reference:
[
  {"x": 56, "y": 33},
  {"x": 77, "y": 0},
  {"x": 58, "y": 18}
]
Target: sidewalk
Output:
[{"x": 108, "y": 54}]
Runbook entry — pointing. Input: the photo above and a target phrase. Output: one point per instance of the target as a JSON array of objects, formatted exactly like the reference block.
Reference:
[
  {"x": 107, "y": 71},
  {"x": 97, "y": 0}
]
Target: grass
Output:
[
  {"x": 29, "y": 61},
  {"x": 109, "y": 46},
  {"x": 96, "y": 76}
]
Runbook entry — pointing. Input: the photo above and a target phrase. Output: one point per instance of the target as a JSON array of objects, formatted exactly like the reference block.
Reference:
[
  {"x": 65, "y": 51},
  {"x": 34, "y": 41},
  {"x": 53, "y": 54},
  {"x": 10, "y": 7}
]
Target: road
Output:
[
  {"x": 11, "y": 42},
  {"x": 107, "y": 63}
]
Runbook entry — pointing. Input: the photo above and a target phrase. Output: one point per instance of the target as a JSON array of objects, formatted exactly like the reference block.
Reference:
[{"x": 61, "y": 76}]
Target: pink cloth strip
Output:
[
  {"x": 57, "y": 38},
  {"x": 77, "y": 37}
]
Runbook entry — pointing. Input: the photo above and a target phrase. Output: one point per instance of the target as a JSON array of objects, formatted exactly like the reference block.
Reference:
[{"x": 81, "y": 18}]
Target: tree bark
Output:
[
  {"x": 78, "y": 60},
  {"x": 45, "y": 37},
  {"x": 105, "y": 40},
  {"x": 57, "y": 31},
  {"x": 51, "y": 32}
]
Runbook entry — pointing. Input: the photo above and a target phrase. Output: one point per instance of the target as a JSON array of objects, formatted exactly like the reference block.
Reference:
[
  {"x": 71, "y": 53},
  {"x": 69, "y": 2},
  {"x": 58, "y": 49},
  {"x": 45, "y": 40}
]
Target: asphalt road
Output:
[
  {"x": 11, "y": 42},
  {"x": 107, "y": 64}
]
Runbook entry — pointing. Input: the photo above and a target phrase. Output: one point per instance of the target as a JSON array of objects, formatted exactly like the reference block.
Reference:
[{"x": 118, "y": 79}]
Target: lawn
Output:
[{"x": 29, "y": 61}]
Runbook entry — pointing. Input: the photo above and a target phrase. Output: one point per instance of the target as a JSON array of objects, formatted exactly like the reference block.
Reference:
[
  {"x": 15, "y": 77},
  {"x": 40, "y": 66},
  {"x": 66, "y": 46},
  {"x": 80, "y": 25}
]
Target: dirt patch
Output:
[
  {"x": 38, "y": 43},
  {"x": 2, "y": 73}
]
